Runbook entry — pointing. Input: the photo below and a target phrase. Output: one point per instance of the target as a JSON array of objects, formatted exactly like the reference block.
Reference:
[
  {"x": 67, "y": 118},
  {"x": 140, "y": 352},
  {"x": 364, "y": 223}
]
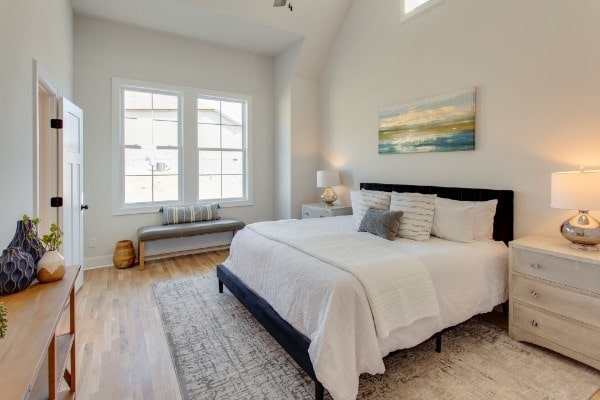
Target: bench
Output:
[{"x": 158, "y": 232}]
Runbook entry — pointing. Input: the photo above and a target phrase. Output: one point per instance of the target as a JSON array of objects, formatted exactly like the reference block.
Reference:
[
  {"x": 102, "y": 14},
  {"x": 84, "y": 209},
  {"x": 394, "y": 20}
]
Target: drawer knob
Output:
[
  {"x": 306, "y": 213},
  {"x": 534, "y": 294},
  {"x": 535, "y": 265},
  {"x": 534, "y": 322}
]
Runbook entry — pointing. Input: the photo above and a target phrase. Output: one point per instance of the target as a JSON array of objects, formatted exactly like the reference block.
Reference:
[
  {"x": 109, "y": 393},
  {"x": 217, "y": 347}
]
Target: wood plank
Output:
[{"x": 63, "y": 350}]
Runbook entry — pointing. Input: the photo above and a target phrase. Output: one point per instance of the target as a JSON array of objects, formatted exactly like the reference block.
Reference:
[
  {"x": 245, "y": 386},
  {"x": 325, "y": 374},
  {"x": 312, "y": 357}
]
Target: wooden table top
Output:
[{"x": 33, "y": 316}]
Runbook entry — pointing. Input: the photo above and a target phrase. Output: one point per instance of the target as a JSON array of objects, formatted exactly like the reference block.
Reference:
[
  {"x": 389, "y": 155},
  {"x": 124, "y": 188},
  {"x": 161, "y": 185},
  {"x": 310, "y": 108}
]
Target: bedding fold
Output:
[{"x": 398, "y": 287}]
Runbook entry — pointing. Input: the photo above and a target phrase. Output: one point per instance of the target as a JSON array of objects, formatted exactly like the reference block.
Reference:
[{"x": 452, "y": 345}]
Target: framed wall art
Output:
[{"x": 439, "y": 123}]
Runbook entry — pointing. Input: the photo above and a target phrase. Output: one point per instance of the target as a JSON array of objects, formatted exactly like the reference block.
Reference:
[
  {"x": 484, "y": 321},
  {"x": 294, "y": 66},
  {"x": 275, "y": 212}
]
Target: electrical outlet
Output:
[{"x": 93, "y": 242}]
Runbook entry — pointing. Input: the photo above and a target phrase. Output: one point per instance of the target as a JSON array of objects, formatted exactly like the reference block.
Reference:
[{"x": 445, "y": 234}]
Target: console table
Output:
[{"x": 35, "y": 355}]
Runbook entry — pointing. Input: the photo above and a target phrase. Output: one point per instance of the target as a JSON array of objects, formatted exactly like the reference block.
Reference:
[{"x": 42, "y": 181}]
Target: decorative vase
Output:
[
  {"x": 17, "y": 270},
  {"x": 28, "y": 242},
  {"x": 124, "y": 256},
  {"x": 51, "y": 267}
]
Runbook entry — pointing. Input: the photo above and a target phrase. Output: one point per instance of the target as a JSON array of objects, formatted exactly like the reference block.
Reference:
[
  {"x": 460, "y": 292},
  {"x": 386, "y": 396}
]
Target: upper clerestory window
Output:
[{"x": 413, "y": 7}]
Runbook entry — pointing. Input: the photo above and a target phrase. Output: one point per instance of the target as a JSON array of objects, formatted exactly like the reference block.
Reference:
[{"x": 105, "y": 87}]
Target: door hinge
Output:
[
  {"x": 56, "y": 202},
  {"x": 56, "y": 123}
]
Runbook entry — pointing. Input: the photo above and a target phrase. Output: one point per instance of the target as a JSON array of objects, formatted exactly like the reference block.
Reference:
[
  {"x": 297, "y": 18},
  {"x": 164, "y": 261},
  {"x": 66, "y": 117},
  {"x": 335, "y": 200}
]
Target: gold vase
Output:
[{"x": 124, "y": 256}]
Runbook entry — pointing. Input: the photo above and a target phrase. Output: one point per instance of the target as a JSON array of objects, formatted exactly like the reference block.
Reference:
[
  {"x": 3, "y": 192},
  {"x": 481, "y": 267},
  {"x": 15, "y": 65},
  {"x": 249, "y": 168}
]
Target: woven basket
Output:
[{"x": 124, "y": 256}]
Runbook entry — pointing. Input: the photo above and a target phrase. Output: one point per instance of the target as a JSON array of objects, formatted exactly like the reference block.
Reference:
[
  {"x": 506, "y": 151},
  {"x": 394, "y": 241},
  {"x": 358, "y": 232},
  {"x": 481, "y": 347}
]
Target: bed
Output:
[{"x": 305, "y": 323}]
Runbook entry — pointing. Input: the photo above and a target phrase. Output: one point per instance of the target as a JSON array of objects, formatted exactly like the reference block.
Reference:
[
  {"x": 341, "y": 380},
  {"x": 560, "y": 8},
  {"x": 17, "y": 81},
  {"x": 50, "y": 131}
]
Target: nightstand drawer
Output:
[
  {"x": 312, "y": 212},
  {"x": 573, "y": 304},
  {"x": 565, "y": 271},
  {"x": 320, "y": 210},
  {"x": 576, "y": 337}
]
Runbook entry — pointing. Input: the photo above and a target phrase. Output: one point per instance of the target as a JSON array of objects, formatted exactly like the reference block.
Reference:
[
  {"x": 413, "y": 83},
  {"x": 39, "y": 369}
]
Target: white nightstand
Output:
[
  {"x": 555, "y": 297},
  {"x": 320, "y": 210}
]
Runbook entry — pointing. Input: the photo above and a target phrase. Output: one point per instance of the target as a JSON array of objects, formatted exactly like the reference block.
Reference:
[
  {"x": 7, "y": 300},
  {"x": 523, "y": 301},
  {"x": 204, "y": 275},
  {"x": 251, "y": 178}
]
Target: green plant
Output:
[
  {"x": 49, "y": 242},
  {"x": 53, "y": 240},
  {"x": 34, "y": 221},
  {"x": 3, "y": 320}
]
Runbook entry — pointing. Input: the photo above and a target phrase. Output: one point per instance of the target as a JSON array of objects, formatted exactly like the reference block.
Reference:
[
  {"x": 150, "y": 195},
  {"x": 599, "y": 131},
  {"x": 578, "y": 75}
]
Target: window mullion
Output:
[{"x": 190, "y": 149}]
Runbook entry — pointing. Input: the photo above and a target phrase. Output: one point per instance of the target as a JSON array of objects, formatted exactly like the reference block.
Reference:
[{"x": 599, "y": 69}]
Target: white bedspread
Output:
[
  {"x": 330, "y": 307},
  {"x": 398, "y": 287}
]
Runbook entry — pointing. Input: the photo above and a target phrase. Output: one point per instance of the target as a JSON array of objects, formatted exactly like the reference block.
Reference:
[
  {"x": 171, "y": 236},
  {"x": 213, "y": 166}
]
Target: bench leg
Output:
[
  {"x": 438, "y": 342},
  {"x": 141, "y": 255}
]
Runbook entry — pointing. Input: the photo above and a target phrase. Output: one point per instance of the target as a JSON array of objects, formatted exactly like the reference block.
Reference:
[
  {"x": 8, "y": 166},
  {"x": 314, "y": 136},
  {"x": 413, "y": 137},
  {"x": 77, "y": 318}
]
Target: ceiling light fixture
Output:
[{"x": 281, "y": 3}]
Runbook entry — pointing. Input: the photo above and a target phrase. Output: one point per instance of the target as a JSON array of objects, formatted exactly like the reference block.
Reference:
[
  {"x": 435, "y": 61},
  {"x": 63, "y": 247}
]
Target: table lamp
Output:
[
  {"x": 578, "y": 190},
  {"x": 327, "y": 179}
]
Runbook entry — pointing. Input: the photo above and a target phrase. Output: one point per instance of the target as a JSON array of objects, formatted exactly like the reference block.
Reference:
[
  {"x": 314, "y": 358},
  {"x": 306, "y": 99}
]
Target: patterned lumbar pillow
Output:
[
  {"x": 193, "y": 213},
  {"x": 418, "y": 210},
  {"x": 369, "y": 198},
  {"x": 381, "y": 223}
]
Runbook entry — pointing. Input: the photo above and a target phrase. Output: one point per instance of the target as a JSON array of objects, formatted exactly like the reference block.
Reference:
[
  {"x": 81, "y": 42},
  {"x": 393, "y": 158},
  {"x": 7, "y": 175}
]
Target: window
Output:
[
  {"x": 156, "y": 128},
  {"x": 220, "y": 148},
  {"x": 151, "y": 152},
  {"x": 413, "y": 7},
  {"x": 410, "y": 5}
]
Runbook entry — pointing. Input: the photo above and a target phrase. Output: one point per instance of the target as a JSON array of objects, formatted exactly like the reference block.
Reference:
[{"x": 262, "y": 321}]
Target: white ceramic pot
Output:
[{"x": 51, "y": 267}]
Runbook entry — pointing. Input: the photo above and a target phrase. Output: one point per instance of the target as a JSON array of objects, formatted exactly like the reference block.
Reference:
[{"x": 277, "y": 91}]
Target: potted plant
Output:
[
  {"x": 51, "y": 266},
  {"x": 3, "y": 320}
]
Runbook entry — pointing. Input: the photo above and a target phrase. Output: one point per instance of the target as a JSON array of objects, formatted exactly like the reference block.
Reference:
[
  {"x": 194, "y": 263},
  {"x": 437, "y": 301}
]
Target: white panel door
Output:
[{"x": 71, "y": 146}]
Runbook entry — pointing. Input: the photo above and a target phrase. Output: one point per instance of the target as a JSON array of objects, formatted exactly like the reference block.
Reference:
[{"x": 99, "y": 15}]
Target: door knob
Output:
[{"x": 84, "y": 207}]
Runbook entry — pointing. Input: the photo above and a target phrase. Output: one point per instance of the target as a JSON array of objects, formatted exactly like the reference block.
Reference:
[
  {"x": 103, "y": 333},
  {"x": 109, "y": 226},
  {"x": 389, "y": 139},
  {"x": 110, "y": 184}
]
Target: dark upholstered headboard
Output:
[{"x": 503, "y": 221}]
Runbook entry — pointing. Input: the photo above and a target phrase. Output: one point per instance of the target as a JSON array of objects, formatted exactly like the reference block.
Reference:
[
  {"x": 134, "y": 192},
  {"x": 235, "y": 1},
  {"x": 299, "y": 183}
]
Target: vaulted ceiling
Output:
[{"x": 252, "y": 25}]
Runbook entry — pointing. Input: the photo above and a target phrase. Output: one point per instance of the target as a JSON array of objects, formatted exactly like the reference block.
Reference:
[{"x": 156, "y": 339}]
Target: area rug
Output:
[{"x": 219, "y": 351}]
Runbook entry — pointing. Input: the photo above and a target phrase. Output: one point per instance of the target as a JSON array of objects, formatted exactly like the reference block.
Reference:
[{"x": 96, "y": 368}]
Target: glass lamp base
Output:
[
  {"x": 583, "y": 231},
  {"x": 329, "y": 197},
  {"x": 586, "y": 247}
]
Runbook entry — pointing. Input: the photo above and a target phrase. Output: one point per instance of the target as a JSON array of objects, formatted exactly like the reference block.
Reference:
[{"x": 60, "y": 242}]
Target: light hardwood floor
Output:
[{"x": 122, "y": 349}]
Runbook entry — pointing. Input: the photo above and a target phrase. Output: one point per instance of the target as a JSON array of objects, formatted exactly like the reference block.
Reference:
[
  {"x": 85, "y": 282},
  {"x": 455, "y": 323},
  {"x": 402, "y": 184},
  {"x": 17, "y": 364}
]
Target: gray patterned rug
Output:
[{"x": 220, "y": 352}]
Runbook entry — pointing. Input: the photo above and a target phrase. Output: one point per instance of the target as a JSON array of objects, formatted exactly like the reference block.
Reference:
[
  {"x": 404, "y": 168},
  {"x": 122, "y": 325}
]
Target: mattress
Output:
[{"x": 329, "y": 305}]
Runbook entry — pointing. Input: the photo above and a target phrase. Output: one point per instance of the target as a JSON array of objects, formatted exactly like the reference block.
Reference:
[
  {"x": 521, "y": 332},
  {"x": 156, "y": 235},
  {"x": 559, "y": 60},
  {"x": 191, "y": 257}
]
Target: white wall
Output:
[
  {"x": 284, "y": 67},
  {"x": 304, "y": 144},
  {"x": 104, "y": 50},
  {"x": 30, "y": 29},
  {"x": 535, "y": 64},
  {"x": 297, "y": 135}
]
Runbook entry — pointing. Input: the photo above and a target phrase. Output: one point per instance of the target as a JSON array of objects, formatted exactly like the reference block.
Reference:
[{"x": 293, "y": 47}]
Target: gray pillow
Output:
[
  {"x": 193, "y": 213},
  {"x": 384, "y": 224}
]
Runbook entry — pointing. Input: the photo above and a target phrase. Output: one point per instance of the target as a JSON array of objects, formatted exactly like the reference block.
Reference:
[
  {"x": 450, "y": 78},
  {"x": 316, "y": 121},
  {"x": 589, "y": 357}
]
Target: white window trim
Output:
[
  {"x": 423, "y": 7},
  {"x": 188, "y": 182}
]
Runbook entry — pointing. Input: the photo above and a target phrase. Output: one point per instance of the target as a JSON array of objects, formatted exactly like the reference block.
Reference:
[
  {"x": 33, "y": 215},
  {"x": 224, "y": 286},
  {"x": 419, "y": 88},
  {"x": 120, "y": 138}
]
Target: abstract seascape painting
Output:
[{"x": 440, "y": 123}]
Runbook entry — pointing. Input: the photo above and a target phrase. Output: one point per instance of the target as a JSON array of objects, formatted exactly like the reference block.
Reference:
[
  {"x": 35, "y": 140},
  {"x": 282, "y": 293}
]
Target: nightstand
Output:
[
  {"x": 555, "y": 297},
  {"x": 320, "y": 210}
]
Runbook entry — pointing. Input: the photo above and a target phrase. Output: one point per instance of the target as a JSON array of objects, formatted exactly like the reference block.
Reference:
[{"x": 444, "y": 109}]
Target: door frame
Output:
[{"x": 46, "y": 154}]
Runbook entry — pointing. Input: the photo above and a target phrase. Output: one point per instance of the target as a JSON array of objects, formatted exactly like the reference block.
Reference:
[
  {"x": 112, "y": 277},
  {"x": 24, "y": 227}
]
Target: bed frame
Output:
[{"x": 294, "y": 342}]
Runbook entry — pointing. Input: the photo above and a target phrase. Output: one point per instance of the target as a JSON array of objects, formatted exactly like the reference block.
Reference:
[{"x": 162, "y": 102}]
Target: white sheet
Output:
[
  {"x": 330, "y": 307},
  {"x": 398, "y": 287}
]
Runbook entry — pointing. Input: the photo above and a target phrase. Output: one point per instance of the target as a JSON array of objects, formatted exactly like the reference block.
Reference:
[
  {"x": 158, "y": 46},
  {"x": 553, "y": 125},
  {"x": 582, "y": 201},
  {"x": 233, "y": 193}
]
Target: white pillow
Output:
[
  {"x": 483, "y": 219},
  {"x": 453, "y": 220},
  {"x": 417, "y": 221},
  {"x": 366, "y": 199},
  {"x": 354, "y": 200}
]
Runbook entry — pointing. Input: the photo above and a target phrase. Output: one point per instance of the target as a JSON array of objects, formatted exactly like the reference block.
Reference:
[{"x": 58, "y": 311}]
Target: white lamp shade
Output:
[
  {"x": 328, "y": 178},
  {"x": 575, "y": 190}
]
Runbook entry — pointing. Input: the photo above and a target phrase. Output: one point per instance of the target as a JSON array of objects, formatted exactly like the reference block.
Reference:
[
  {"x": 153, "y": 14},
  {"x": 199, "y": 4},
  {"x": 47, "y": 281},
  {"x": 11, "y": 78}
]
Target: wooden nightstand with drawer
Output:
[
  {"x": 320, "y": 210},
  {"x": 555, "y": 297}
]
